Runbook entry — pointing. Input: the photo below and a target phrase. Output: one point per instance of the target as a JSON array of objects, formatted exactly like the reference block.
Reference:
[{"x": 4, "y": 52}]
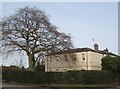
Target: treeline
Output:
[{"x": 70, "y": 77}]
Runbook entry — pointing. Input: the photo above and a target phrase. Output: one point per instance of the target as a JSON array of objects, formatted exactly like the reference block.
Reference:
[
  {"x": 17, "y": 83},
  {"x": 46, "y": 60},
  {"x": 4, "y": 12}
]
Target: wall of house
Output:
[
  {"x": 60, "y": 63},
  {"x": 95, "y": 60},
  {"x": 81, "y": 61},
  {"x": 92, "y": 61}
]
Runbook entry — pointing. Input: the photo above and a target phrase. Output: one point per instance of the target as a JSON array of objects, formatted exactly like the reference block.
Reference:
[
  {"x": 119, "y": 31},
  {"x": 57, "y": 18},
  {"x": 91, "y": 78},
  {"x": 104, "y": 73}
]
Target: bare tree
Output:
[{"x": 30, "y": 30}]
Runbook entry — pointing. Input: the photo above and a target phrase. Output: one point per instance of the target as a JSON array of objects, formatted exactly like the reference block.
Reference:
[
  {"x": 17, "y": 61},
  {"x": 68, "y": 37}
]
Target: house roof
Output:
[
  {"x": 75, "y": 50},
  {"x": 83, "y": 50},
  {"x": 109, "y": 53}
]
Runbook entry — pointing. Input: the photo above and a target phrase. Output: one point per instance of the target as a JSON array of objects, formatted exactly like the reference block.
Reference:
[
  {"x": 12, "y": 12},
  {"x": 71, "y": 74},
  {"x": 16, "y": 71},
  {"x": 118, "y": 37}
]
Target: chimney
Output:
[
  {"x": 106, "y": 50},
  {"x": 96, "y": 47}
]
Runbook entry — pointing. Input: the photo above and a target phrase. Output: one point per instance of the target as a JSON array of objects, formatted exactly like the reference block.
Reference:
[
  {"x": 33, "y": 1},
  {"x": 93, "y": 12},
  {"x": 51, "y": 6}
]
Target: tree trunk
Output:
[{"x": 31, "y": 62}]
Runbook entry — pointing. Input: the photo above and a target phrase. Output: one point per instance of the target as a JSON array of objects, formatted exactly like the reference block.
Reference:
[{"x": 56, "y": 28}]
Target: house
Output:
[{"x": 76, "y": 59}]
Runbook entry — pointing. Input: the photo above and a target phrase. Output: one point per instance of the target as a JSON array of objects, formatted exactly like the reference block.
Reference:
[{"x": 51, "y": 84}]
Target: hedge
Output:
[{"x": 79, "y": 77}]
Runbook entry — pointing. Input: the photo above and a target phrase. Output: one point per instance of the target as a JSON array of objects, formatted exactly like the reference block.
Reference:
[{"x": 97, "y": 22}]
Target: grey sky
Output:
[{"x": 83, "y": 20}]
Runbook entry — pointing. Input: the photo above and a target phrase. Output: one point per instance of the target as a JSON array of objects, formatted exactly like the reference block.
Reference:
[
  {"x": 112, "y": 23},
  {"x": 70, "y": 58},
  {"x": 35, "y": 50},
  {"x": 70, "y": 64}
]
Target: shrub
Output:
[
  {"x": 70, "y": 77},
  {"x": 98, "y": 77}
]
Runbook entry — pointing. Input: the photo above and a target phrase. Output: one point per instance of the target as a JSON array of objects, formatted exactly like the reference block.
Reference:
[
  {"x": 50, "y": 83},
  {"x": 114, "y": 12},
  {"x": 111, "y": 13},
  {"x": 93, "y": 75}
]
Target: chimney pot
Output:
[
  {"x": 96, "y": 47},
  {"x": 106, "y": 50}
]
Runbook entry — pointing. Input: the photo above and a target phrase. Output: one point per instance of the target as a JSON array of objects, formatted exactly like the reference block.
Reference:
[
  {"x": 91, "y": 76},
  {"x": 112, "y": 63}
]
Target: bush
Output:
[
  {"x": 111, "y": 63},
  {"x": 98, "y": 77},
  {"x": 40, "y": 67},
  {"x": 73, "y": 76},
  {"x": 23, "y": 76},
  {"x": 70, "y": 77}
]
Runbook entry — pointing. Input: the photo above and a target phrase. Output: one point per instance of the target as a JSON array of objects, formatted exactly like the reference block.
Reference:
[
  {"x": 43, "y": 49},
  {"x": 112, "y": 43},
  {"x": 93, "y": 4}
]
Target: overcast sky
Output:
[{"x": 83, "y": 20}]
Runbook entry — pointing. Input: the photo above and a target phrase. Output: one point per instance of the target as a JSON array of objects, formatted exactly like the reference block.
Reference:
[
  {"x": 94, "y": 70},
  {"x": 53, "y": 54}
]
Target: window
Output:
[
  {"x": 83, "y": 56},
  {"x": 66, "y": 58},
  {"x": 50, "y": 60},
  {"x": 73, "y": 56},
  {"x": 57, "y": 70},
  {"x": 50, "y": 70},
  {"x": 57, "y": 59}
]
